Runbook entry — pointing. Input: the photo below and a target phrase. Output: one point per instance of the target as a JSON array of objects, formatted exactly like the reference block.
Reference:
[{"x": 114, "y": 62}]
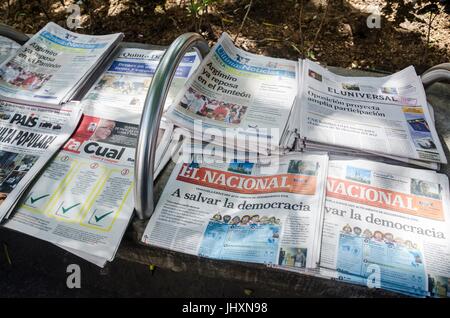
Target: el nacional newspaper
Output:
[
  {"x": 243, "y": 211},
  {"x": 238, "y": 98},
  {"x": 381, "y": 115},
  {"x": 387, "y": 227}
]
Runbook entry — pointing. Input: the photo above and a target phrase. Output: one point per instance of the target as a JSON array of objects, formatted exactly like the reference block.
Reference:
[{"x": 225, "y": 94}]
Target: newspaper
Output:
[
  {"x": 8, "y": 47},
  {"x": 83, "y": 200},
  {"x": 241, "y": 99},
  {"x": 243, "y": 211},
  {"x": 382, "y": 115},
  {"x": 29, "y": 137},
  {"x": 387, "y": 227},
  {"x": 127, "y": 79},
  {"x": 126, "y": 82},
  {"x": 53, "y": 65}
]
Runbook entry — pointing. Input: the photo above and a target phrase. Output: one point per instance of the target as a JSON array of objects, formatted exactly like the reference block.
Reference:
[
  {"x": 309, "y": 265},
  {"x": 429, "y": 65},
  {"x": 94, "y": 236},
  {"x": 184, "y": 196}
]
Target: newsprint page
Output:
[
  {"x": 243, "y": 211},
  {"x": 387, "y": 116},
  {"x": 241, "y": 99},
  {"x": 388, "y": 223}
]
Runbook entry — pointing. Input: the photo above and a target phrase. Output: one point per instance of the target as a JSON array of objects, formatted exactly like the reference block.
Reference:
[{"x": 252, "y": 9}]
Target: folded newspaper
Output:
[
  {"x": 53, "y": 65},
  {"x": 377, "y": 225},
  {"x": 237, "y": 98},
  {"x": 83, "y": 200},
  {"x": 387, "y": 227},
  {"x": 386, "y": 116}
]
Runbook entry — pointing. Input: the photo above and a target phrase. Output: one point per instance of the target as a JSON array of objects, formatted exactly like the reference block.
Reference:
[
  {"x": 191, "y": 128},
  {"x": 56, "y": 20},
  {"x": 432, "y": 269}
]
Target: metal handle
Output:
[
  {"x": 151, "y": 118},
  {"x": 13, "y": 34},
  {"x": 438, "y": 73}
]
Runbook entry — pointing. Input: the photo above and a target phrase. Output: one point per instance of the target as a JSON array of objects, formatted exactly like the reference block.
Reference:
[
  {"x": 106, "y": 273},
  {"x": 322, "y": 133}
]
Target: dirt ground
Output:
[{"x": 271, "y": 28}]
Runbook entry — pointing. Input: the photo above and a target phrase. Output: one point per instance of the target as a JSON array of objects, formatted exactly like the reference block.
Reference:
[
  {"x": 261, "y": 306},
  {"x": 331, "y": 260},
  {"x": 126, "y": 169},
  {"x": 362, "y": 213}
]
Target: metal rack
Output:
[{"x": 151, "y": 118}]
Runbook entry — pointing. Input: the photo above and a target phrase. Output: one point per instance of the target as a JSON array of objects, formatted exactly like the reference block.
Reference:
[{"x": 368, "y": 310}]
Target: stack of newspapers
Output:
[
  {"x": 37, "y": 116},
  {"x": 267, "y": 105},
  {"x": 84, "y": 195},
  {"x": 386, "y": 116},
  {"x": 312, "y": 177},
  {"x": 343, "y": 218},
  {"x": 238, "y": 99}
]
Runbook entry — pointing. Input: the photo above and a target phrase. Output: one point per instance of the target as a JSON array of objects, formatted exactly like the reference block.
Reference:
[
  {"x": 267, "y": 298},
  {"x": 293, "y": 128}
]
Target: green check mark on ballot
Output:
[
  {"x": 64, "y": 210},
  {"x": 32, "y": 200},
  {"x": 99, "y": 218}
]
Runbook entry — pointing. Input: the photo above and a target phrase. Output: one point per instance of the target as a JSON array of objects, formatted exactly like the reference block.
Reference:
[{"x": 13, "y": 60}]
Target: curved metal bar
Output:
[
  {"x": 438, "y": 73},
  {"x": 151, "y": 118},
  {"x": 13, "y": 34}
]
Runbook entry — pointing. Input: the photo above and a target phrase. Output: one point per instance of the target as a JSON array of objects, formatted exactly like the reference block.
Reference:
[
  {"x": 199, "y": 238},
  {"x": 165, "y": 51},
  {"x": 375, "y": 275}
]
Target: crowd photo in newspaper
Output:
[{"x": 267, "y": 160}]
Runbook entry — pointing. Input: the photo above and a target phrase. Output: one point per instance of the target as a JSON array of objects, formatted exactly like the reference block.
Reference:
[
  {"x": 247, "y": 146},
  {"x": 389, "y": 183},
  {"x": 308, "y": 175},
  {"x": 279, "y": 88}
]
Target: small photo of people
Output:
[
  {"x": 426, "y": 189},
  {"x": 13, "y": 167},
  {"x": 378, "y": 236},
  {"x": 291, "y": 256},
  {"x": 201, "y": 105},
  {"x": 122, "y": 84},
  {"x": 245, "y": 220},
  {"x": 303, "y": 167},
  {"x": 15, "y": 75}
]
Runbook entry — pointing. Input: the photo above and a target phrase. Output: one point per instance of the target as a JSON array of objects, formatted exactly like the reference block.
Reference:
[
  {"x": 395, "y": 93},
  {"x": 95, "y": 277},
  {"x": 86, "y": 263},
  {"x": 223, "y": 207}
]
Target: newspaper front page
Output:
[
  {"x": 128, "y": 78},
  {"x": 249, "y": 94},
  {"x": 8, "y": 47},
  {"x": 29, "y": 137},
  {"x": 52, "y": 65},
  {"x": 243, "y": 211},
  {"x": 386, "y": 115},
  {"x": 83, "y": 200},
  {"x": 387, "y": 227}
]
